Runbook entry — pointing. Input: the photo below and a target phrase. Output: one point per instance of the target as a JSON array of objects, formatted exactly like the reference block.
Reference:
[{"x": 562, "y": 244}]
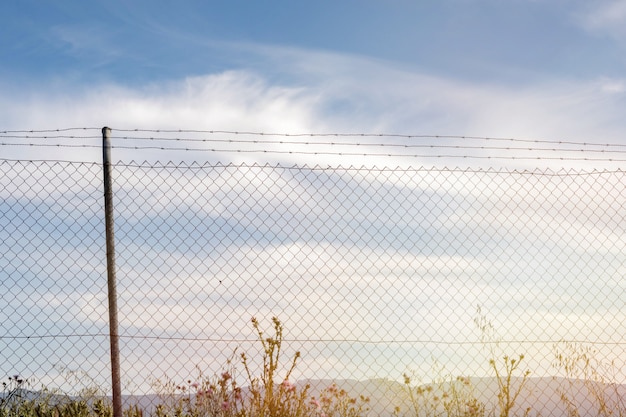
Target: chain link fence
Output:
[
  {"x": 374, "y": 273},
  {"x": 53, "y": 320}
]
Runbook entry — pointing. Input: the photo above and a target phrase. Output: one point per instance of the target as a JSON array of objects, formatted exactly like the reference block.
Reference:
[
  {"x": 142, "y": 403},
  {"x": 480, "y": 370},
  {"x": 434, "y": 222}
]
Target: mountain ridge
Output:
[{"x": 544, "y": 396}]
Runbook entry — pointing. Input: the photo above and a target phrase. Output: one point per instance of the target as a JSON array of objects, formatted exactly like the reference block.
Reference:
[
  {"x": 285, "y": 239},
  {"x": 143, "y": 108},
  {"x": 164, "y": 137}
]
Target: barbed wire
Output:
[
  {"x": 65, "y": 129},
  {"x": 329, "y": 153},
  {"x": 567, "y": 150},
  {"x": 49, "y": 145},
  {"x": 388, "y": 135},
  {"x": 256, "y": 142},
  {"x": 12, "y": 134},
  {"x": 283, "y": 142}
]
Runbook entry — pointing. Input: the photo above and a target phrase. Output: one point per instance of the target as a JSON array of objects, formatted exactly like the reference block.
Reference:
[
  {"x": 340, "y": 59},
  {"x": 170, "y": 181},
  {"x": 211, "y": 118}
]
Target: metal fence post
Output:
[{"x": 110, "y": 245}]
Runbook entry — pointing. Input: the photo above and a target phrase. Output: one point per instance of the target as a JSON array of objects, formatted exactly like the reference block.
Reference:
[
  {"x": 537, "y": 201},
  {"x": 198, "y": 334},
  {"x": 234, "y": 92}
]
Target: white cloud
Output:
[
  {"x": 607, "y": 16},
  {"x": 613, "y": 86}
]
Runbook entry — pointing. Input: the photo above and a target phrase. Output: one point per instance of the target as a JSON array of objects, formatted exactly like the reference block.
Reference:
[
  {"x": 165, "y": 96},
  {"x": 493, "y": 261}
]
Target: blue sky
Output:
[
  {"x": 544, "y": 69},
  {"x": 139, "y": 42}
]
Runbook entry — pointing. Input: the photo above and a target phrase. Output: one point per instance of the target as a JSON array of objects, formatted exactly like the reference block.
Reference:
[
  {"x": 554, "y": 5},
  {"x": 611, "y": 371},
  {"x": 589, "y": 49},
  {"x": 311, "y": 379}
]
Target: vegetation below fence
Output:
[{"x": 585, "y": 391}]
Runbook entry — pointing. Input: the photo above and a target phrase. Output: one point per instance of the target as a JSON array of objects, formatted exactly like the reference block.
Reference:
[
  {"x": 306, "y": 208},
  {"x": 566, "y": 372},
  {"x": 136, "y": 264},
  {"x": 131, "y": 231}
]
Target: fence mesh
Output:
[
  {"x": 53, "y": 319},
  {"x": 374, "y": 273}
]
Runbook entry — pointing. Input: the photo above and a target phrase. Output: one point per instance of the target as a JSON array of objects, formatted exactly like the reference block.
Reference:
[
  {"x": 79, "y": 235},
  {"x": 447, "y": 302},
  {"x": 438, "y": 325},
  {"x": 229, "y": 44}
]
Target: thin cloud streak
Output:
[{"x": 605, "y": 17}]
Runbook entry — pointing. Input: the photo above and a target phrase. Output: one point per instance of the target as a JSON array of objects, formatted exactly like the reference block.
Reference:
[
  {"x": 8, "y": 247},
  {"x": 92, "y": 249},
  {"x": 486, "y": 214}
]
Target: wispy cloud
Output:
[
  {"x": 605, "y": 17},
  {"x": 79, "y": 39}
]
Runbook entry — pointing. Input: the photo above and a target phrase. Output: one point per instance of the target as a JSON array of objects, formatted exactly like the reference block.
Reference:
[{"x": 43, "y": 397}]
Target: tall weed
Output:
[
  {"x": 503, "y": 366},
  {"x": 581, "y": 363}
]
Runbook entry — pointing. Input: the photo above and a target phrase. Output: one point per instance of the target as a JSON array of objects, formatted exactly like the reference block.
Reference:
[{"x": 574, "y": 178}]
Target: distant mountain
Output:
[
  {"x": 542, "y": 396},
  {"x": 546, "y": 397}
]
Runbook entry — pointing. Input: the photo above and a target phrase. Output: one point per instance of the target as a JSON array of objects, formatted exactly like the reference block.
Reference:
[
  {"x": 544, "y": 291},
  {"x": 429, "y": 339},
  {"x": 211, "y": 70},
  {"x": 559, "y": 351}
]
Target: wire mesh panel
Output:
[
  {"x": 379, "y": 277},
  {"x": 374, "y": 273},
  {"x": 53, "y": 320}
]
